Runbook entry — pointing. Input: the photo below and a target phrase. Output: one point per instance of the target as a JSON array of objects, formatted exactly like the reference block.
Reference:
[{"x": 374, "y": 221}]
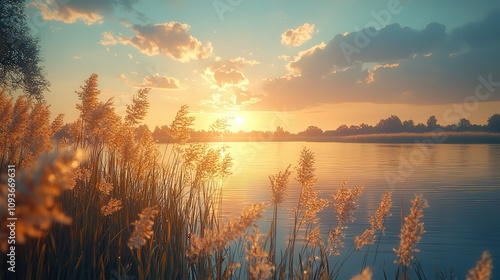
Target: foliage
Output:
[{"x": 19, "y": 52}]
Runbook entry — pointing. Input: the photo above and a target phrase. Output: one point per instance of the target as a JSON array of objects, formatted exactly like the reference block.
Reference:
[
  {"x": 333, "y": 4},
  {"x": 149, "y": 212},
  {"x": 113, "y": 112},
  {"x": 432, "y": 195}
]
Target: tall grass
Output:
[{"x": 107, "y": 204}]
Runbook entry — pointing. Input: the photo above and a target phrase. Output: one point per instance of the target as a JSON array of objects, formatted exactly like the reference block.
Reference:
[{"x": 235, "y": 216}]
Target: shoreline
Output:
[{"x": 394, "y": 138}]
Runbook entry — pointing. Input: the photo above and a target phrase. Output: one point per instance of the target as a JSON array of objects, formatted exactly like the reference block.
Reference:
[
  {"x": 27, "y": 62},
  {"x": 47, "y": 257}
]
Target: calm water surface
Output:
[{"x": 460, "y": 182}]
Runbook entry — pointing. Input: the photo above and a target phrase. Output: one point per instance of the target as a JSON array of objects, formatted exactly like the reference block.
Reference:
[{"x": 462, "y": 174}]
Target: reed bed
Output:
[{"x": 108, "y": 204}]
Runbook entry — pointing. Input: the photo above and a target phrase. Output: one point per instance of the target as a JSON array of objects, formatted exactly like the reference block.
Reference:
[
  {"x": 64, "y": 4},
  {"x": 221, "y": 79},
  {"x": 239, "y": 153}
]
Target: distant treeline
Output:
[{"x": 390, "y": 126}]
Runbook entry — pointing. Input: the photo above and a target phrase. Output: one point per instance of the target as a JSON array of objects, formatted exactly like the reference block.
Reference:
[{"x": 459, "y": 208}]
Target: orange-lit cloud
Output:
[
  {"x": 108, "y": 39},
  {"x": 171, "y": 39},
  {"x": 297, "y": 36},
  {"x": 371, "y": 74},
  {"x": 228, "y": 73},
  {"x": 228, "y": 79},
  {"x": 154, "y": 81},
  {"x": 89, "y": 12}
]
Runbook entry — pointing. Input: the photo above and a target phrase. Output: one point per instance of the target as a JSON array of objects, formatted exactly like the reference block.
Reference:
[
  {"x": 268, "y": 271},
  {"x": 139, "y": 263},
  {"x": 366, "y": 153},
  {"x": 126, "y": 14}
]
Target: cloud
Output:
[
  {"x": 481, "y": 32},
  {"x": 155, "y": 81},
  {"x": 297, "y": 36},
  {"x": 398, "y": 65},
  {"x": 228, "y": 79},
  {"x": 171, "y": 39},
  {"x": 284, "y": 57},
  {"x": 228, "y": 73},
  {"x": 88, "y": 11},
  {"x": 108, "y": 39},
  {"x": 391, "y": 43}
]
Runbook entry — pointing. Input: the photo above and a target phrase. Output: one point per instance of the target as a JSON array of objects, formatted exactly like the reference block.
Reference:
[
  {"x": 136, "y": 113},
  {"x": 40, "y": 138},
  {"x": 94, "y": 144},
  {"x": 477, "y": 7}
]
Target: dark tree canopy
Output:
[
  {"x": 432, "y": 123},
  {"x": 312, "y": 131},
  {"x": 463, "y": 124},
  {"x": 19, "y": 52},
  {"x": 494, "y": 123},
  {"x": 390, "y": 125}
]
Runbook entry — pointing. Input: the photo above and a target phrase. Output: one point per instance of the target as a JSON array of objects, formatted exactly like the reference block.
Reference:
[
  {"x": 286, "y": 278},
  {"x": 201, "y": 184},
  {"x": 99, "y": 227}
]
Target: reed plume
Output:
[
  {"x": 376, "y": 222},
  {"x": 279, "y": 186},
  {"x": 259, "y": 266},
  {"x": 308, "y": 195},
  {"x": 139, "y": 107},
  {"x": 143, "y": 228},
  {"x": 213, "y": 240},
  {"x": 37, "y": 192},
  {"x": 17, "y": 128},
  {"x": 98, "y": 119},
  {"x": 345, "y": 204},
  {"x": 220, "y": 127},
  {"x": 6, "y": 107},
  {"x": 105, "y": 187},
  {"x": 411, "y": 232},
  {"x": 483, "y": 268},
  {"x": 37, "y": 136},
  {"x": 305, "y": 170},
  {"x": 113, "y": 206},
  {"x": 56, "y": 124},
  {"x": 366, "y": 274},
  {"x": 206, "y": 163},
  {"x": 314, "y": 236},
  {"x": 180, "y": 128},
  {"x": 88, "y": 96}
]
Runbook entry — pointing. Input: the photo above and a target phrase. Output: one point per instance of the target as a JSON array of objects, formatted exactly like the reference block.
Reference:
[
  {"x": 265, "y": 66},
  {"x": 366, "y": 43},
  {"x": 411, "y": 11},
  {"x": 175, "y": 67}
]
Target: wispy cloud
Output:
[
  {"x": 297, "y": 36},
  {"x": 155, "y": 81}
]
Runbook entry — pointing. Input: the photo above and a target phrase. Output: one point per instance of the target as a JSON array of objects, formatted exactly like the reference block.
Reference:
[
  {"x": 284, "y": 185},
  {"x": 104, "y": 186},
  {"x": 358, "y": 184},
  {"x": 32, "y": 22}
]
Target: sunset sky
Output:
[{"x": 269, "y": 63}]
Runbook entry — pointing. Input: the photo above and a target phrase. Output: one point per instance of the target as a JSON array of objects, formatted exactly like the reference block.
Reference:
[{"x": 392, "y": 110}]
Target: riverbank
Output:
[{"x": 400, "y": 138}]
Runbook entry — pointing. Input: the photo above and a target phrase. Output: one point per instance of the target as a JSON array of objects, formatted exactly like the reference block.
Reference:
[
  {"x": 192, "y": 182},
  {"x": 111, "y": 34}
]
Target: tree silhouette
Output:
[
  {"x": 494, "y": 123},
  {"x": 408, "y": 126},
  {"x": 432, "y": 123},
  {"x": 342, "y": 130},
  {"x": 312, "y": 131},
  {"x": 390, "y": 125},
  {"x": 464, "y": 124},
  {"x": 280, "y": 132},
  {"x": 19, "y": 52}
]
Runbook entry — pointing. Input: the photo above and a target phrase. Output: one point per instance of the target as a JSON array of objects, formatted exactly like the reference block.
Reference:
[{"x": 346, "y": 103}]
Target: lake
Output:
[{"x": 460, "y": 182}]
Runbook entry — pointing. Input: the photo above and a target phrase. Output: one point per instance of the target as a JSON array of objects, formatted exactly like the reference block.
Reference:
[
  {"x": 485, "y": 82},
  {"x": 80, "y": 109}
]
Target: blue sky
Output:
[{"x": 289, "y": 63}]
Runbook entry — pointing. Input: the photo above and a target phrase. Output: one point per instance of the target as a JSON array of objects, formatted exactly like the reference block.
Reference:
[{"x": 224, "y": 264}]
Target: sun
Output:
[{"x": 239, "y": 121}]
